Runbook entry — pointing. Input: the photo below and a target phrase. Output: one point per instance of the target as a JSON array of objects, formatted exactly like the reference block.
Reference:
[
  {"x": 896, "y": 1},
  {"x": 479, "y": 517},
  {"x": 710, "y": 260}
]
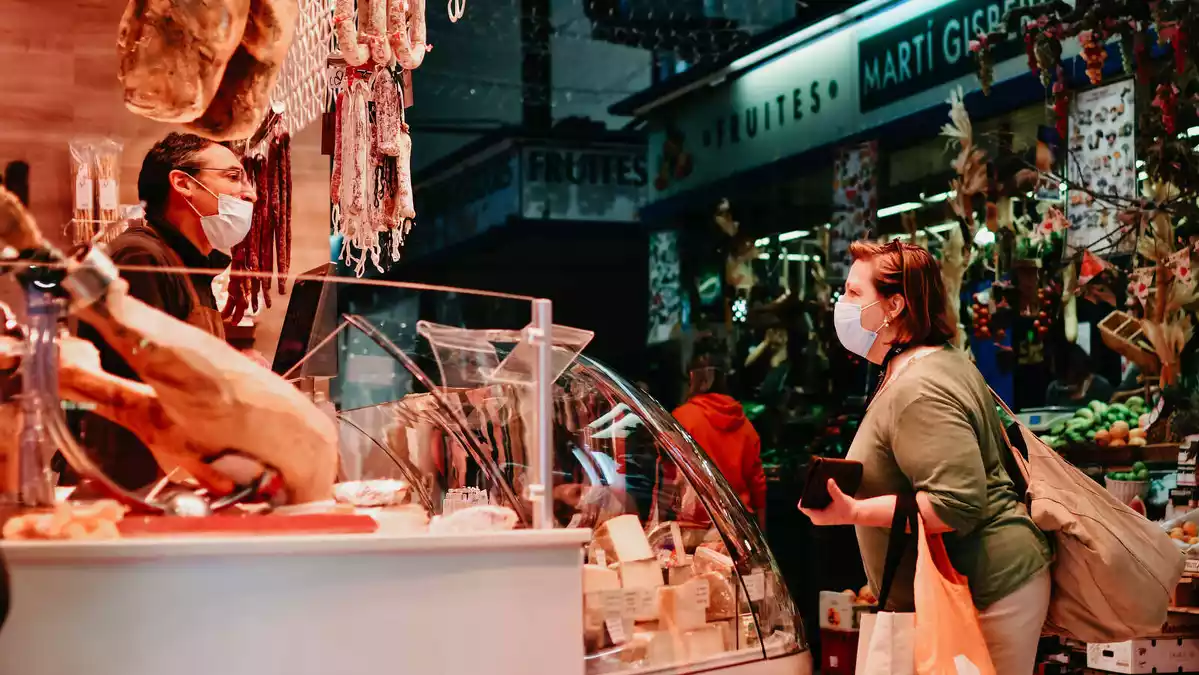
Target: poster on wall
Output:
[
  {"x": 665, "y": 287},
  {"x": 855, "y": 202},
  {"x": 1102, "y": 162}
]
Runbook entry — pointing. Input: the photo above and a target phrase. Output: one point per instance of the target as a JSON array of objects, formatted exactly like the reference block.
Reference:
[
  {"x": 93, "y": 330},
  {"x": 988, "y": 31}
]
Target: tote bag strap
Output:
[
  {"x": 1015, "y": 464},
  {"x": 905, "y": 525}
]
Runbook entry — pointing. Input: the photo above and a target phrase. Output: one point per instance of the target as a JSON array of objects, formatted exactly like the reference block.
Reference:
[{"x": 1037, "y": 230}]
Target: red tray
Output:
[{"x": 248, "y": 525}]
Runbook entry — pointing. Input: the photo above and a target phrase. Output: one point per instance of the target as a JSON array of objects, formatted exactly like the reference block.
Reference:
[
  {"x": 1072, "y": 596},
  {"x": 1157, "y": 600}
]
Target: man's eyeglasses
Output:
[{"x": 231, "y": 174}]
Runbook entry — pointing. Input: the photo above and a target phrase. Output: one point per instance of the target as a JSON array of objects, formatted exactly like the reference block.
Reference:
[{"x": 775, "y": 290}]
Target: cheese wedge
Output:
[
  {"x": 623, "y": 539},
  {"x": 722, "y": 599},
  {"x": 683, "y": 608}
]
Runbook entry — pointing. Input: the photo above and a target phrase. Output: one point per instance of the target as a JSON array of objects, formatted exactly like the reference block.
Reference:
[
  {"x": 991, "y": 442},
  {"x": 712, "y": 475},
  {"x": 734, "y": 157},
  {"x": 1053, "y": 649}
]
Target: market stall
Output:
[{"x": 396, "y": 492}]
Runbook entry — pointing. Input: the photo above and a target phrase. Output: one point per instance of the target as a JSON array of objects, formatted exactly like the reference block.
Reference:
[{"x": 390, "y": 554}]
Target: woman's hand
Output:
[{"x": 842, "y": 509}]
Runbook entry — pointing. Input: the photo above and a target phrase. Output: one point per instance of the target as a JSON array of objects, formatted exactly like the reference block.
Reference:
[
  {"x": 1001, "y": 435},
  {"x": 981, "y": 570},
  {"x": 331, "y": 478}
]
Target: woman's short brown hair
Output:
[{"x": 911, "y": 271}]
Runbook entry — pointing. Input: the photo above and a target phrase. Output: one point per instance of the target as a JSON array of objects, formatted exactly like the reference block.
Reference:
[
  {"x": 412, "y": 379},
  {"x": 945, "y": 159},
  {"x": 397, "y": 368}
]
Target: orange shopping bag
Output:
[{"x": 949, "y": 639}]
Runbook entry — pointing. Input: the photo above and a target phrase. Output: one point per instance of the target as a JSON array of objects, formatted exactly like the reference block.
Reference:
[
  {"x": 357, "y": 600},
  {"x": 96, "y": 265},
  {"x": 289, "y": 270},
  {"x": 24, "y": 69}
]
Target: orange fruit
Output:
[
  {"x": 1120, "y": 430},
  {"x": 1102, "y": 438}
]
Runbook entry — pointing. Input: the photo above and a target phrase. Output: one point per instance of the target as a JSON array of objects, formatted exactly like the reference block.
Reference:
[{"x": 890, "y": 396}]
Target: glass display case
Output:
[{"x": 677, "y": 574}]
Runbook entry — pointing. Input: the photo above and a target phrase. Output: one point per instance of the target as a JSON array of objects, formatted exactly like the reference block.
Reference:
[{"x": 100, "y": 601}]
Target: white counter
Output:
[{"x": 505, "y": 603}]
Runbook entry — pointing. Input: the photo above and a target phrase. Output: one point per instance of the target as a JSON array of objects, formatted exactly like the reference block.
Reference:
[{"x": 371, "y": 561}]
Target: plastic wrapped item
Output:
[
  {"x": 83, "y": 211},
  {"x": 107, "y": 158}
]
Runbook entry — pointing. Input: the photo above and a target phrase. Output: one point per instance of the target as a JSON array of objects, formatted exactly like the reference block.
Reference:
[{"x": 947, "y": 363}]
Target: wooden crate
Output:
[{"x": 1122, "y": 333}]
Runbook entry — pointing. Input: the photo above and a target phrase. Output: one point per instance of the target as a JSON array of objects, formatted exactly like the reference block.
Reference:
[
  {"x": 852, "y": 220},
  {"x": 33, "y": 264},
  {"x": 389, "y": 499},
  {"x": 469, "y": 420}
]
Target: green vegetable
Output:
[
  {"x": 1139, "y": 467},
  {"x": 1099, "y": 407},
  {"x": 1084, "y": 414},
  {"x": 1119, "y": 408},
  {"x": 1079, "y": 423},
  {"x": 1057, "y": 428},
  {"x": 1135, "y": 402},
  {"x": 1143, "y": 474},
  {"x": 1090, "y": 435}
]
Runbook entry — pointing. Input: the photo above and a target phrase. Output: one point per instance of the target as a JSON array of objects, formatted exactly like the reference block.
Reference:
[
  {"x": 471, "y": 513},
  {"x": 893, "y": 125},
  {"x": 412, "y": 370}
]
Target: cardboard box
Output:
[
  {"x": 1164, "y": 655},
  {"x": 837, "y": 611}
]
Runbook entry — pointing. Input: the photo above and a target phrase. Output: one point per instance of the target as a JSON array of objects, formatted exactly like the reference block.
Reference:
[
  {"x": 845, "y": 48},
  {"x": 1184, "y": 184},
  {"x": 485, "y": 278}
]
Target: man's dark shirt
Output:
[{"x": 118, "y": 452}]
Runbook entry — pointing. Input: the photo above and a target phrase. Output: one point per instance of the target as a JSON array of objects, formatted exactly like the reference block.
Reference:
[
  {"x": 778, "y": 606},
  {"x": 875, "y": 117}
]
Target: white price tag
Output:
[
  {"x": 1192, "y": 566},
  {"x": 614, "y": 605},
  {"x": 83, "y": 193},
  {"x": 702, "y": 592},
  {"x": 755, "y": 586},
  {"x": 108, "y": 194},
  {"x": 615, "y": 626},
  {"x": 601, "y": 558}
]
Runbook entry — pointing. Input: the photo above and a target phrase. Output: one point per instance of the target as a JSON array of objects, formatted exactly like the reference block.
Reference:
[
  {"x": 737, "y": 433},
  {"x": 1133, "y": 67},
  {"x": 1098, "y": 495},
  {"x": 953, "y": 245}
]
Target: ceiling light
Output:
[
  {"x": 793, "y": 235},
  {"x": 984, "y": 237},
  {"x": 898, "y": 208},
  {"x": 944, "y": 196},
  {"x": 764, "y": 241}
]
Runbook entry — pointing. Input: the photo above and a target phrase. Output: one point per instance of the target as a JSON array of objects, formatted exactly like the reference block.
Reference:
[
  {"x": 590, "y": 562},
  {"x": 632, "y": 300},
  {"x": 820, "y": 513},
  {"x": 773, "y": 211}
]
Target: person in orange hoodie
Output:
[{"x": 718, "y": 424}]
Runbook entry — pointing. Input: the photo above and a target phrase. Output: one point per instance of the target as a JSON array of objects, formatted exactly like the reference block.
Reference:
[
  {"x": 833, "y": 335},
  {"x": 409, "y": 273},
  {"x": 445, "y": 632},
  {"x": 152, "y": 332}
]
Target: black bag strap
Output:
[{"x": 904, "y": 528}]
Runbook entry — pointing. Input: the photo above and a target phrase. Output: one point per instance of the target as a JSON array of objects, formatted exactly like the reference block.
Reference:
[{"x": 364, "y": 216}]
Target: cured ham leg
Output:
[
  {"x": 225, "y": 401},
  {"x": 219, "y": 399},
  {"x": 241, "y": 103},
  {"x": 130, "y": 404},
  {"x": 173, "y": 55}
]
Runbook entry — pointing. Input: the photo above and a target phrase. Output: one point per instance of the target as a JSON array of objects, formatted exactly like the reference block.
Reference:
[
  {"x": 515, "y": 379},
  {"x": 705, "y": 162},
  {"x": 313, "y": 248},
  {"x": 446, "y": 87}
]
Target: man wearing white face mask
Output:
[{"x": 198, "y": 206}]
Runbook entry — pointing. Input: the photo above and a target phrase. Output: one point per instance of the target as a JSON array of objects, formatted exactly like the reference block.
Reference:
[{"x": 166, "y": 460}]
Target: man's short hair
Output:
[{"x": 173, "y": 152}]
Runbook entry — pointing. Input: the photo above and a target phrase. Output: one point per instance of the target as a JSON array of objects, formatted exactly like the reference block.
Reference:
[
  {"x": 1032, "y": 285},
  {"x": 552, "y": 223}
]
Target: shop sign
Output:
[
  {"x": 460, "y": 205},
  {"x": 931, "y": 49},
  {"x": 592, "y": 184},
  {"x": 902, "y": 60},
  {"x": 798, "y": 102}
]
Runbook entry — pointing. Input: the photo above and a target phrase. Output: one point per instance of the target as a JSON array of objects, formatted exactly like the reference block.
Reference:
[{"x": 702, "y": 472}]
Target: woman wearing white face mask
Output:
[
  {"x": 931, "y": 428},
  {"x": 198, "y": 204}
]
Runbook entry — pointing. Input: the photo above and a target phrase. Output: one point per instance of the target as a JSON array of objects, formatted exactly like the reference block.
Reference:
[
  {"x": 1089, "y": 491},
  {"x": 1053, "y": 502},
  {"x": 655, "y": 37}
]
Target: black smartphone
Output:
[{"x": 846, "y": 472}]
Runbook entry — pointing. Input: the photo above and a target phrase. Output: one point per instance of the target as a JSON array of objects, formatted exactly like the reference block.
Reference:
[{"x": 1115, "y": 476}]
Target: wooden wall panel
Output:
[{"x": 58, "y": 80}]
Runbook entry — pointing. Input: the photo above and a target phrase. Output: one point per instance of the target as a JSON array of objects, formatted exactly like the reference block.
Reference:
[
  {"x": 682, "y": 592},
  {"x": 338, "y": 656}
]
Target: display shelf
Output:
[{"x": 1121, "y": 456}]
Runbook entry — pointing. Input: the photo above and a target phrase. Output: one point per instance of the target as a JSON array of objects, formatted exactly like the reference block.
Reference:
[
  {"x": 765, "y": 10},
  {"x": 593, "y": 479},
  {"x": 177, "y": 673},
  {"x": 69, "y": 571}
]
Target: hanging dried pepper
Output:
[{"x": 1094, "y": 53}]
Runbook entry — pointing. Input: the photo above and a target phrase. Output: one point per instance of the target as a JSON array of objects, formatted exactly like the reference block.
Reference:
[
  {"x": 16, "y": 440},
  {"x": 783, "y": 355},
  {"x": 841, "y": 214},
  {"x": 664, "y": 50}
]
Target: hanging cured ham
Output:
[
  {"x": 172, "y": 59},
  {"x": 244, "y": 96},
  {"x": 209, "y": 64}
]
